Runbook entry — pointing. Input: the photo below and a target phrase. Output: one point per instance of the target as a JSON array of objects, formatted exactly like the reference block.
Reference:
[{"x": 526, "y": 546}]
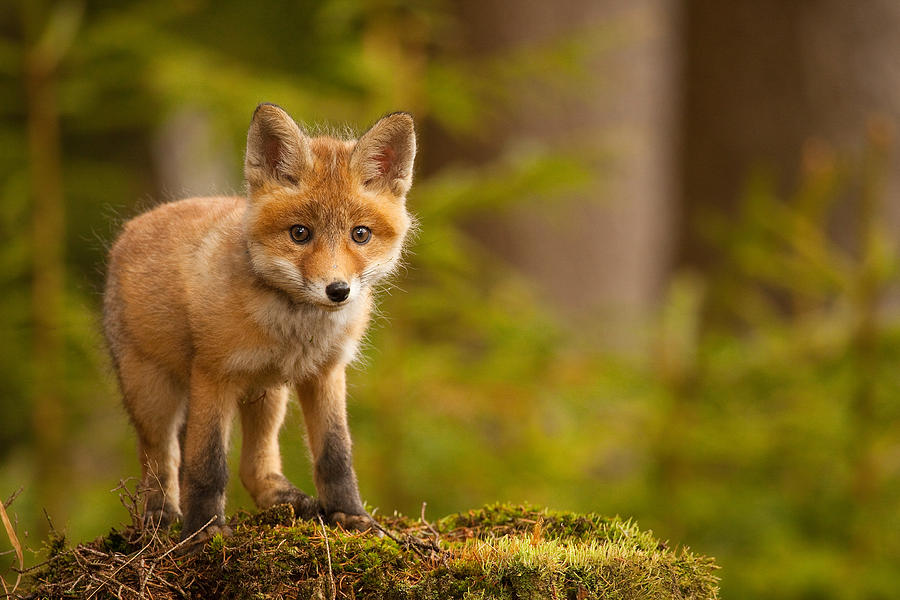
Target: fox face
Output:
[{"x": 327, "y": 218}]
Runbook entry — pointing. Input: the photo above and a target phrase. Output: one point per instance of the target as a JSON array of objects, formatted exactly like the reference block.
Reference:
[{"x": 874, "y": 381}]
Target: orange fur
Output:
[{"x": 211, "y": 308}]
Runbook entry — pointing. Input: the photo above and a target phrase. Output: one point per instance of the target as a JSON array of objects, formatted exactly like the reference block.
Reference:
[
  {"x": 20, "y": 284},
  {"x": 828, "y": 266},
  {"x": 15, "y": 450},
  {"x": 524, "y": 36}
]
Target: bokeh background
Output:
[{"x": 656, "y": 273}]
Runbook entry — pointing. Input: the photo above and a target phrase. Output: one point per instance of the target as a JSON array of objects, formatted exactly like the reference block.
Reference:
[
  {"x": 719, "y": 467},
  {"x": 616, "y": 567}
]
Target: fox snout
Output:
[{"x": 337, "y": 291}]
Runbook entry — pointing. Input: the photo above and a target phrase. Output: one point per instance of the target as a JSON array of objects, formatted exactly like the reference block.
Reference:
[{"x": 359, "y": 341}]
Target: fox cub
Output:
[{"x": 216, "y": 306}]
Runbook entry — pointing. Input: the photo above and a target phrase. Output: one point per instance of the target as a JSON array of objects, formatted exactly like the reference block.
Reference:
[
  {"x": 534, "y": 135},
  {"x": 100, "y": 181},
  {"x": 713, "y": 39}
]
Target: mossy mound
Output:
[{"x": 498, "y": 551}]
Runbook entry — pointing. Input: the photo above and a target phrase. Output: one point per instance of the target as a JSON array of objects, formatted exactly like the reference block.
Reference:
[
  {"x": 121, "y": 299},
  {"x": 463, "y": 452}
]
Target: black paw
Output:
[
  {"x": 280, "y": 514},
  {"x": 305, "y": 506},
  {"x": 361, "y": 522}
]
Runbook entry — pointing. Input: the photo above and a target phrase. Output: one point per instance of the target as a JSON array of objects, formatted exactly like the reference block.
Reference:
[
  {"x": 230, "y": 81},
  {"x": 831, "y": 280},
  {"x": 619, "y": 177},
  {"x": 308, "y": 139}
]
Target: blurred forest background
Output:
[{"x": 656, "y": 274}]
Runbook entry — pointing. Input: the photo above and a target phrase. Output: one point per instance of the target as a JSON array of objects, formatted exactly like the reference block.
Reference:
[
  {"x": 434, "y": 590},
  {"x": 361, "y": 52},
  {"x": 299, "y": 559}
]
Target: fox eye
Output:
[
  {"x": 300, "y": 234},
  {"x": 361, "y": 234}
]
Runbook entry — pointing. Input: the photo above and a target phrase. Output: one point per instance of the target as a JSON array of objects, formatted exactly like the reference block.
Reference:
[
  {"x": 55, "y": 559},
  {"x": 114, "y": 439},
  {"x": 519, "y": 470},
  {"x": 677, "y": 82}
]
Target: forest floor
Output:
[{"x": 499, "y": 551}]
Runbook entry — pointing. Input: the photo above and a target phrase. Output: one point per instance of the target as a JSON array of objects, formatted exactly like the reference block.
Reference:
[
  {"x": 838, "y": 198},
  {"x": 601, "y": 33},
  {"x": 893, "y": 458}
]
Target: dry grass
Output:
[{"x": 17, "y": 547}]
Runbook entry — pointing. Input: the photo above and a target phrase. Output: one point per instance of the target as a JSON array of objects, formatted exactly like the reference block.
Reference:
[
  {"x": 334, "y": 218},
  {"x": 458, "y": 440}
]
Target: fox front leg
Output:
[
  {"x": 261, "y": 419},
  {"x": 324, "y": 409},
  {"x": 204, "y": 471}
]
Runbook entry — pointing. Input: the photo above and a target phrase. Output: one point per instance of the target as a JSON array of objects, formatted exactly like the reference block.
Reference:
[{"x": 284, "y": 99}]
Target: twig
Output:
[
  {"x": 437, "y": 536},
  {"x": 122, "y": 566},
  {"x": 105, "y": 580},
  {"x": 386, "y": 532},
  {"x": 139, "y": 552},
  {"x": 14, "y": 540},
  {"x": 328, "y": 552},
  {"x": 411, "y": 545},
  {"x": 12, "y": 498},
  {"x": 49, "y": 520},
  {"x": 75, "y": 583},
  {"x": 186, "y": 540},
  {"x": 146, "y": 577}
]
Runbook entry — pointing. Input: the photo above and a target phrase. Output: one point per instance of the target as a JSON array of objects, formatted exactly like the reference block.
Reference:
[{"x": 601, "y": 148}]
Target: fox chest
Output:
[
  {"x": 293, "y": 348},
  {"x": 293, "y": 360}
]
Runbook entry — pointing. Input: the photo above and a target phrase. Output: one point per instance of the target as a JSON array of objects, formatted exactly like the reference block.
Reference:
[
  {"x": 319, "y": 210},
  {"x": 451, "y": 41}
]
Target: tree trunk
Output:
[
  {"x": 762, "y": 79},
  {"x": 604, "y": 252},
  {"x": 48, "y": 264}
]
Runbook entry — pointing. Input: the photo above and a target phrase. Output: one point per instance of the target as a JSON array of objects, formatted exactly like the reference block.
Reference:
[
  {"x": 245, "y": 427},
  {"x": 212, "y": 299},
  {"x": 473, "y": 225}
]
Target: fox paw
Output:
[
  {"x": 305, "y": 506},
  {"x": 361, "y": 522},
  {"x": 160, "y": 518},
  {"x": 282, "y": 491}
]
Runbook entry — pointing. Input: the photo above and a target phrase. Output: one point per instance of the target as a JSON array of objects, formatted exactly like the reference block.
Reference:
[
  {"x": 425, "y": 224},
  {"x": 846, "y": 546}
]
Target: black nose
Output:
[{"x": 337, "y": 291}]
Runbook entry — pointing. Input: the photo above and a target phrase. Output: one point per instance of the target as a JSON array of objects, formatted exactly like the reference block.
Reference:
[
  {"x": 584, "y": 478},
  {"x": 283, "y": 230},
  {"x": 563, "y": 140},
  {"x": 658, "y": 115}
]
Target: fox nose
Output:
[{"x": 337, "y": 291}]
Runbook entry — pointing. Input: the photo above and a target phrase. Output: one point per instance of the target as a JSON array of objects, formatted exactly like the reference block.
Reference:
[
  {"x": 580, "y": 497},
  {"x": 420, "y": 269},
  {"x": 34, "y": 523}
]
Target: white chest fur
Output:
[{"x": 299, "y": 340}]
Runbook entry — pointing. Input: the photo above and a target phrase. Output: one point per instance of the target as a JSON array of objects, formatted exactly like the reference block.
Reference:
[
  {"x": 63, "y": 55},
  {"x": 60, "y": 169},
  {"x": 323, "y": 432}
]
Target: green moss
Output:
[
  {"x": 498, "y": 551},
  {"x": 56, "y": 543}
]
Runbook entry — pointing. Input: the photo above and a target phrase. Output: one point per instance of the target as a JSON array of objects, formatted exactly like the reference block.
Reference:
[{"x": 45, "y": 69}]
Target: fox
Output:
[{"x": 216, "y": 307}]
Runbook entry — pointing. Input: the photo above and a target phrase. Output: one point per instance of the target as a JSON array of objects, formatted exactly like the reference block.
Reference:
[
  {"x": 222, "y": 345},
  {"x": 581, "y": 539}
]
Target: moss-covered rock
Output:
[{"x": 499, "y": 551}]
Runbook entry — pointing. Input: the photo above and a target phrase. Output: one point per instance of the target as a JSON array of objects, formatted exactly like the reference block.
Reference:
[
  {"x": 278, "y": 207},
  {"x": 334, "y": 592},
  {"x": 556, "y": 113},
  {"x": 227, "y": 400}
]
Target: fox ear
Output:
[
  {"x": 383, "y": 156},
  {"x": 276, "y": 148}
]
